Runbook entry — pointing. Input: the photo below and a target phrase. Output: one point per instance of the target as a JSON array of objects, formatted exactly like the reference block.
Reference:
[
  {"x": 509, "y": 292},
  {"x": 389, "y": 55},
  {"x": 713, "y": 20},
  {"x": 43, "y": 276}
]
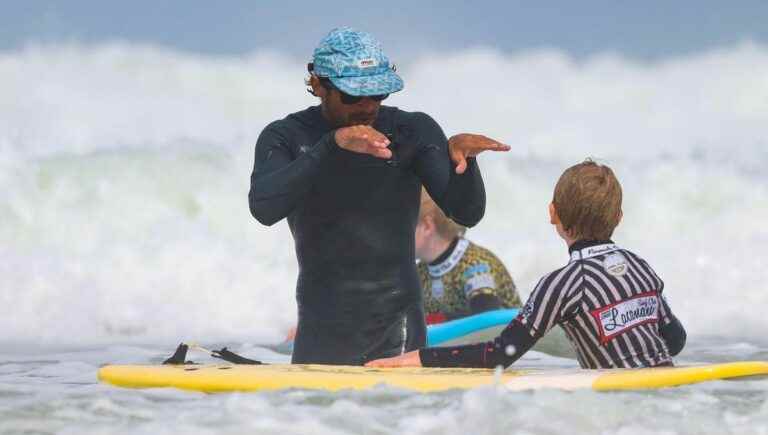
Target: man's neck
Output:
[{"x": 326, "y": 115}]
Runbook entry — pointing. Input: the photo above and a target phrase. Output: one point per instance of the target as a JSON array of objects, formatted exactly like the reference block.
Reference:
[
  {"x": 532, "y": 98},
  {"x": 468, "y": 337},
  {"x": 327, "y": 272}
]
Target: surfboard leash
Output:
[{"x": 180, "y": 355}]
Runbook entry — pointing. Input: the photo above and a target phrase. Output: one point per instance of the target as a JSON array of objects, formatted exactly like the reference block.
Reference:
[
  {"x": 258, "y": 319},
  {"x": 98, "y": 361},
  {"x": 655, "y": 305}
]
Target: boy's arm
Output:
[
  {"x": 536, "y": 318},
  {"x": 491, "y": 290},
  {"x": 670, "y": 329},
  {"x": 514, "y": 341},
  {"x": 482, "y": 302}
]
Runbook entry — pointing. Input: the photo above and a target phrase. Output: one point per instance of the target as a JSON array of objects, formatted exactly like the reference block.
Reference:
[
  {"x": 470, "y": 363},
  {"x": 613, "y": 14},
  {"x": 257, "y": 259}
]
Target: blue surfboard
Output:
[{"x": 455, "y": 329}]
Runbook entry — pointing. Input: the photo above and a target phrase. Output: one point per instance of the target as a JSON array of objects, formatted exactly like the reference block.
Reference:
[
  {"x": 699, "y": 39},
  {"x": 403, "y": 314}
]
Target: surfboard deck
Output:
[{"x": 229, "y": 378}]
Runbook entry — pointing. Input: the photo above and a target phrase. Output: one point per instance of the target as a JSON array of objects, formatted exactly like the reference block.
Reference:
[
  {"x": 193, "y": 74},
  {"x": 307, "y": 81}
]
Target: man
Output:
[{"x": 347, "y": 174}]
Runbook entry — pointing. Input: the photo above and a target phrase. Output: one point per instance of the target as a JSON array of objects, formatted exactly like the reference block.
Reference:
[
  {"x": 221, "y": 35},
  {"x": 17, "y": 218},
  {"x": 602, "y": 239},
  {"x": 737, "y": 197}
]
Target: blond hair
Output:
[
  {"x": 587, "y": 199},
  {"x": 446, "y": 228}
]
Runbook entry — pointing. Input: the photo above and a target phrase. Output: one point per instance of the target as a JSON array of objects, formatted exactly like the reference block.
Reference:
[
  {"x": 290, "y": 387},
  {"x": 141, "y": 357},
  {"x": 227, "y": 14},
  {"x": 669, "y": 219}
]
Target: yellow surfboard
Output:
[{"x": 224, "y": 378}]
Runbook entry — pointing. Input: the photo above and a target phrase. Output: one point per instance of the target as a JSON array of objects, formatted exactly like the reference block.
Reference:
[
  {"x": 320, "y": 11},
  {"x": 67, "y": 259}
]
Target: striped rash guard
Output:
[{"x": 609, "y": 302}]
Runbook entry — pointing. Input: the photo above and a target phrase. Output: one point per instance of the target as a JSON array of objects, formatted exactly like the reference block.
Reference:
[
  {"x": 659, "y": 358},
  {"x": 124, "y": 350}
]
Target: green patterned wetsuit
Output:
[{"x": 465, "y": 271}]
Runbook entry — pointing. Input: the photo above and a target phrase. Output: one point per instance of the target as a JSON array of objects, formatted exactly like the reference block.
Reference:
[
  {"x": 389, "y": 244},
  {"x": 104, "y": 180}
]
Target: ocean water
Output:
[{"x": 124, "y": 229}]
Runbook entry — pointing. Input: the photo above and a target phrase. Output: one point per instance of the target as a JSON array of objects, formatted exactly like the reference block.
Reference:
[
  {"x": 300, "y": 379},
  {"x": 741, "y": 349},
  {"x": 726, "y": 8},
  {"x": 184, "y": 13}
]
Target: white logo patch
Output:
[
  {"x": 477, "y": 282},
  {"x": 438, "y": 290},
  {"x": 593, "y": 251},
  {"x": 367, "y": 63},
  {"x": 623, "y": 316},
  {"x": 616, "y": 264},
  {"x": 597, "y": 250}
]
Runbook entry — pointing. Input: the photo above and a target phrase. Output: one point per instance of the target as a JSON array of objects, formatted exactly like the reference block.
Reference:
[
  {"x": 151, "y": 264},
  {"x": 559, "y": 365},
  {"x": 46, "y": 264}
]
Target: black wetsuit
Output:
[{"x": 353, "y": 218}]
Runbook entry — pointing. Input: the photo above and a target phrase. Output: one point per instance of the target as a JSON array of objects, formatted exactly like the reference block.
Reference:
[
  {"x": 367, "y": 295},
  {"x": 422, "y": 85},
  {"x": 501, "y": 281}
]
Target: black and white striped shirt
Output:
[{"x": 607, "y": 299}]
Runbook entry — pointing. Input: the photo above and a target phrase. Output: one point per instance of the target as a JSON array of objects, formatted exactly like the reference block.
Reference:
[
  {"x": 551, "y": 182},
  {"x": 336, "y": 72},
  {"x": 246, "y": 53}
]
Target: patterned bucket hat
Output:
[{"x": 355, "y": 63}]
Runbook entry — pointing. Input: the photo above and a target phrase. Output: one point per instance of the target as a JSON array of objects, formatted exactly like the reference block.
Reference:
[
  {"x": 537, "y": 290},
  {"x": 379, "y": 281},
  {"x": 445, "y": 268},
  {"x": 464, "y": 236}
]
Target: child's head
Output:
[
  {"x": 587, "y": 202},
  {"x": 433, "y": 225}
]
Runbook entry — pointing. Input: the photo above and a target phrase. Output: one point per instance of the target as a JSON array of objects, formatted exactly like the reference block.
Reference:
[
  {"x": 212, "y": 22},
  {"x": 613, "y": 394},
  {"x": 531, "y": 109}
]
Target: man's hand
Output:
[
  {"x": 466, "y": 145},
  {"x": 410, "y": 359},
  {"x": 363, "y": 139}
]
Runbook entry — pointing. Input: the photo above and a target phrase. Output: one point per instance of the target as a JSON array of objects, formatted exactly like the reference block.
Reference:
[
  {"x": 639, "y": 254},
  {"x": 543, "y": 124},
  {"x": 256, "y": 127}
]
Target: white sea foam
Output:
[{"x": 124, "y": 175}]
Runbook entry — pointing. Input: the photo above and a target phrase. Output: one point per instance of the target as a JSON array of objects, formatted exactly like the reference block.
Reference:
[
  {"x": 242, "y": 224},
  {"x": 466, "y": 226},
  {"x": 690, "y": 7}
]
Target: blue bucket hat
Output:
[{"x": 355, "y": 63}]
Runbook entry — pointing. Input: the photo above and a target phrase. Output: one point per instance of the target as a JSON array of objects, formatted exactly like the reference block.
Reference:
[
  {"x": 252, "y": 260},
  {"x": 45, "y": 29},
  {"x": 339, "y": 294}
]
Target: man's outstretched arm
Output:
[{"x": 449, "y": 171}]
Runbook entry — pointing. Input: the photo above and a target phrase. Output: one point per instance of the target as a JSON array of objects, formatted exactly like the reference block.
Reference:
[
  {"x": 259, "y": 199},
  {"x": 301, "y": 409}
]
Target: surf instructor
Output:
[{"x": 347, "y": 175}]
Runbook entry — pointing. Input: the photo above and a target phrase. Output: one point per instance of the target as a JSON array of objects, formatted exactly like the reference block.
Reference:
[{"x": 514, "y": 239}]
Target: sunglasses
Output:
[{"x": 350, "y": 99}]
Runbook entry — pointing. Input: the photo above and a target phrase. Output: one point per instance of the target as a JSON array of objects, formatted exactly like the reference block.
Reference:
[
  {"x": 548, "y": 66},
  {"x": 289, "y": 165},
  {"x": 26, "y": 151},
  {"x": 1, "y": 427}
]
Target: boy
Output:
[
  {"x": 607, "y": 299},
  {"x": 458, "y": 277}
]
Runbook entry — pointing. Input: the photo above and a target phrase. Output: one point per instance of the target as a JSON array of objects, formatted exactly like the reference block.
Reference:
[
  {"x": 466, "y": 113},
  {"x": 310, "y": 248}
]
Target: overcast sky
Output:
[{"x": 639, "y": 29}]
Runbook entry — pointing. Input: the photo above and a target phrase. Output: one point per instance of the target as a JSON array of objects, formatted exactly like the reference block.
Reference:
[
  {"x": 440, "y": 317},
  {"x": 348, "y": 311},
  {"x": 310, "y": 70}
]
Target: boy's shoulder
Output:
[
  {"x": 611, "y": 258},
  {"x": 561, "y": 276},
  {"x": 476, "y": 254}
]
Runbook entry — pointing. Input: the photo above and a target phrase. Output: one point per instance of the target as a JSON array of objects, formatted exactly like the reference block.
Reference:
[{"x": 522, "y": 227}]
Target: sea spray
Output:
[{"x": 124, "y": 177}]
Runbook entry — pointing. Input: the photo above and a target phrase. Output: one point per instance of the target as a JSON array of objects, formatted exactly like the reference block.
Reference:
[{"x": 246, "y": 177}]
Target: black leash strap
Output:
[
  {"x": 180, "y": 356},
  {"x": 234, "y": 358}
]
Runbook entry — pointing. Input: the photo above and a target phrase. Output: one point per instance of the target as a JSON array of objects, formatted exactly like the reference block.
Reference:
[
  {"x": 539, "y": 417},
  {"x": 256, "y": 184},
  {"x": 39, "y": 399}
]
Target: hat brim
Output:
[{"x": 365, "y": 86}]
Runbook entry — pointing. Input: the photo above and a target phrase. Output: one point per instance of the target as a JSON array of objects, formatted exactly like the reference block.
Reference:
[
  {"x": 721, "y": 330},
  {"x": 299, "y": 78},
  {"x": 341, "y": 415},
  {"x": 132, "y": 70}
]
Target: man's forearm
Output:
[{"x": 464, "y": 200}]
